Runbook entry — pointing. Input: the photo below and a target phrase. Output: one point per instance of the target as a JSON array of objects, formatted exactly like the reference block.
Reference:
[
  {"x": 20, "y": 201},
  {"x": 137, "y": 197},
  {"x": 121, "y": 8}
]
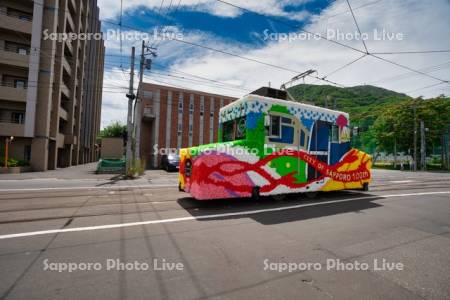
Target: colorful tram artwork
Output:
[{"x": 271, "y": 146}]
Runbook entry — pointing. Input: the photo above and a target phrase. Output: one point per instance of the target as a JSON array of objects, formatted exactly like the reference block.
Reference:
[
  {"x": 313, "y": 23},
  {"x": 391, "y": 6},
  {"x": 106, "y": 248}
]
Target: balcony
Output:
[
  {"x": 63, "y": 114},
  {"x": 70, "y": 139},
  {"x": 10, "y": 93},
  {"x": 66, "y": 65},
  {"x": 15, "y": 23},
  {"x": 60, "y": 140},
  {"x": 148, "y": 113},
  {"x": 70, "y": 22},
  {"x": 65, "y": 90},
  {"x": 11, "y": 129},
  {"x": 12, "y": 58},
  {"x": 72, "y": 2},
  {"x": 69, "y": 46}
]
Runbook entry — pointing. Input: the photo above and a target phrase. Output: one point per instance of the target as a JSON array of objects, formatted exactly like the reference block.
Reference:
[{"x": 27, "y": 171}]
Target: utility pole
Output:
[
  {"x": 395, "y": 150},
  {"x": 138, "y": 117},
  {"x": 131, "y": 96},
  {"x": 144, "y": 64},
  {"x": 423, "y": 164},
  {"x": 415, "y": 136}
]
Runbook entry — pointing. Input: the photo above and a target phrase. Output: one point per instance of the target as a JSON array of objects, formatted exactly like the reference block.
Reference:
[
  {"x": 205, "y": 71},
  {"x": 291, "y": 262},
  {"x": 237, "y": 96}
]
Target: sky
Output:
[{"x": 269, "y": 45}]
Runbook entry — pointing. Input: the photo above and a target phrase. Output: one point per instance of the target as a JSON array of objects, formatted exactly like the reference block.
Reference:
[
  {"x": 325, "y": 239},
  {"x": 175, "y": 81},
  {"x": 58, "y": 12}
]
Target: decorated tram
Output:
[{"x": 271, "y": 146}]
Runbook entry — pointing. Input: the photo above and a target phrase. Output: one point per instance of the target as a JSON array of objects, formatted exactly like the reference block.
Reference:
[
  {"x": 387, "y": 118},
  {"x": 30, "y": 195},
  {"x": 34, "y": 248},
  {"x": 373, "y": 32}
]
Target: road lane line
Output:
[
  {"x": 205, "y": 217},
  {"x": 89, "y": 188},
  {"x": 401, "y": 181}
]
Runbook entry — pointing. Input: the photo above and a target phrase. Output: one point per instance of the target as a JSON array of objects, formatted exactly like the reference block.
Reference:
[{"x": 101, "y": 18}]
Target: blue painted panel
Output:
[
  {"x": 319, "y": 136},
  {"x": 337, "y": 151},
  {"x": 302, "y": 138},
  {"x": 287, "y": 135},
  {"x": 252, "y": 119}
]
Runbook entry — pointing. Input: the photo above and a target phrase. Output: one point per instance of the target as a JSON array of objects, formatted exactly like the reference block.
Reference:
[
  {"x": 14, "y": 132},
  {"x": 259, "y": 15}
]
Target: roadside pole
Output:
[
  {"x": 423, "y": 164},
  {"x": 137, "y": 148},
  {"x": 415, "y": 137},
  {"x": 130, "y": 97},
  {"x": 145, "y": 64}
]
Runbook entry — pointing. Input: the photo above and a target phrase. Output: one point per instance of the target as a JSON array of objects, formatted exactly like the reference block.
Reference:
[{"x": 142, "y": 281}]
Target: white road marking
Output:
[
  {"x": 401, "y": 181},
  {"x": 90, "y": 187},
  {"x": 205, "y": 217}
]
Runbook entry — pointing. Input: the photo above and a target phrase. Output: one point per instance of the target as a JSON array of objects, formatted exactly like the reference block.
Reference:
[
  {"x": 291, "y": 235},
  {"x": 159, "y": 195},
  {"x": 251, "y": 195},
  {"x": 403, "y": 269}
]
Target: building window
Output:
[
  {"x": 22, "y": 15},
  {"x": 180, "y": 107},
  {"x": 190, "y": 128},
  {"x": 147, "y": 94},
  {"x": 17, "y": 117},
  {"x": 20, "y": 83},
  {"x": 18, "y": 48},
  {"x": 191, "y": 108},
  {"x": 22, "y": 51}
]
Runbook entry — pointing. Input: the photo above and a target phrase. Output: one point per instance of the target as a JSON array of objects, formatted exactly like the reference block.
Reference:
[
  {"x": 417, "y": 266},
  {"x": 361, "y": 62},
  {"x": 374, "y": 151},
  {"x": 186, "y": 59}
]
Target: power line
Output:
[
  {"x": 332, "y": 41},
  {"x": 357, "y": 26},
  {"x": 429, "y": 69},
  {"x": 345, "y": 66},
  {"x": 233, "y": 54},
  {"x": 356, "y": 8},
  {"x": 425, "y": 87},
  {"x": 411, "y": 52},
  {"x": 409, "y": 69}
]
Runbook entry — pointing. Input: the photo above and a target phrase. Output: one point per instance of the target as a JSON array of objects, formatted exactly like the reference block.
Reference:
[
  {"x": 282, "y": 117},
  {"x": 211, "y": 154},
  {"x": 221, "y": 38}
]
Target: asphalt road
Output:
[{"x": 145, "y": 240}]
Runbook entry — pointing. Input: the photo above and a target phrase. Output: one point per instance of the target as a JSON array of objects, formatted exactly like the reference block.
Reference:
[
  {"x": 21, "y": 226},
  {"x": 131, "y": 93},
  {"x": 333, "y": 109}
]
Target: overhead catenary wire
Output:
[
  {"x": 357, "y": 26},
  {"x": 333, "y": 41}
]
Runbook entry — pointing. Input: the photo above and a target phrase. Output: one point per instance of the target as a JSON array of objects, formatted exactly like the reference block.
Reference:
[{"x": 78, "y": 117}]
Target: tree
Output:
[
  {"x": 115, "y": 129},
  {"x": 396, "y": 122}
]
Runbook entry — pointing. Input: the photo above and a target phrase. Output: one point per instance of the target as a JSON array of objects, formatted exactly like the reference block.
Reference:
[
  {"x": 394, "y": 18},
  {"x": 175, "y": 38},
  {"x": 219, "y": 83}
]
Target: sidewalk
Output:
[{"x": 83, "y": 176}]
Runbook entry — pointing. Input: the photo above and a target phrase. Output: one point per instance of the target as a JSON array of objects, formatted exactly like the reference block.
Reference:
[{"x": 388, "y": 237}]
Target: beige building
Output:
[{"x": 50, "y": 90}]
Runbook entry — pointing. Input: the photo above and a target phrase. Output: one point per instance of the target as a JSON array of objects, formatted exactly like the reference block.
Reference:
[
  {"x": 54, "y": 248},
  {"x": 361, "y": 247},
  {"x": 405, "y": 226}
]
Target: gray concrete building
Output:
[{"x": 50, "y": 89}]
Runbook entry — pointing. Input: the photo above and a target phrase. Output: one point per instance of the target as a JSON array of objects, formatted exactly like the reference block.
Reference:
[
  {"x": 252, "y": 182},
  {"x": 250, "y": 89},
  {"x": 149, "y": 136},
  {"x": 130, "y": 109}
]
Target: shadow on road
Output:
[
  {"x": 315, "y": 208},
  {"x": 113, "y": 180}
]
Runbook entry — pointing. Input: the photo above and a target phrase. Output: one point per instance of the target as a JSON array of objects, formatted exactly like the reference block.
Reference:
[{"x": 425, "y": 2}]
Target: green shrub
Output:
[{"x": 12, "y": 162}]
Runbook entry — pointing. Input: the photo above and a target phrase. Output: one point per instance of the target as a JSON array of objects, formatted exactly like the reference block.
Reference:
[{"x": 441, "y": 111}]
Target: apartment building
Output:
[
  {"x": 176, "y": 118},
  {"x": 50, "y": 89}
]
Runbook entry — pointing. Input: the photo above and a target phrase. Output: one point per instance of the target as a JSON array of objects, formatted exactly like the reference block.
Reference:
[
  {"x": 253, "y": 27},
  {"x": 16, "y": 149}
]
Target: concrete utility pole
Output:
[
  {"x": 415, "y": 137},
  {"x": 137, "y": 148},
  {"x": 130, "y": 97},
  {"x": 423, "y": 164},
  {"x": 144, "y": 64}
]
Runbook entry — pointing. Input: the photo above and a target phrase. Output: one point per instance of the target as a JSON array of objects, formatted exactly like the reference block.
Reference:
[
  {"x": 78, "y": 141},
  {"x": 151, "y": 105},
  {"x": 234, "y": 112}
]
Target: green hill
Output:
[{"x": 363, "y": 103}]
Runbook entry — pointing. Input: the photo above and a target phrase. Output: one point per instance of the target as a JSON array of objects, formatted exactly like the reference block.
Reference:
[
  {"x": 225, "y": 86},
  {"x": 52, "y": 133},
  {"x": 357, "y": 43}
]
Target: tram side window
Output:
[
  {"x": 228, "y": 131},
  {"x": 234, "y": 130},
  {"x": 275, "y": 130},
  {"x": 334, "y": 134},
  {"x": 302, "y": 138},
  {"x": 240, "y": 129},
  {"x": 281, "y": 130}
]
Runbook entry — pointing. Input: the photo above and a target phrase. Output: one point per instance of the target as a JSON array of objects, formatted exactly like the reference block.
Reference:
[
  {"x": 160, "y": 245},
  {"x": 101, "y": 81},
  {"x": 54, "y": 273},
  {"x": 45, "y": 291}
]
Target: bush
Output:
[
  {"x": 12, "y": 162},
  {"x": 137, "y": 168}
]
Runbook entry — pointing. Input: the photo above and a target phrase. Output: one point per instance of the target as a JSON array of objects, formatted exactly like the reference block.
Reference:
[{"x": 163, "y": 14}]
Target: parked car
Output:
[{"x": 170, "y": 162}]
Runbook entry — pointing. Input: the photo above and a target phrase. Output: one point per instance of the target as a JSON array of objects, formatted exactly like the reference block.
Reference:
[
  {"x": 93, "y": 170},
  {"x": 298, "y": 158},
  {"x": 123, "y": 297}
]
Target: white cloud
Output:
[
  {"x": 110, "y": 8},
  {"x": 424, "y": 26}
]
